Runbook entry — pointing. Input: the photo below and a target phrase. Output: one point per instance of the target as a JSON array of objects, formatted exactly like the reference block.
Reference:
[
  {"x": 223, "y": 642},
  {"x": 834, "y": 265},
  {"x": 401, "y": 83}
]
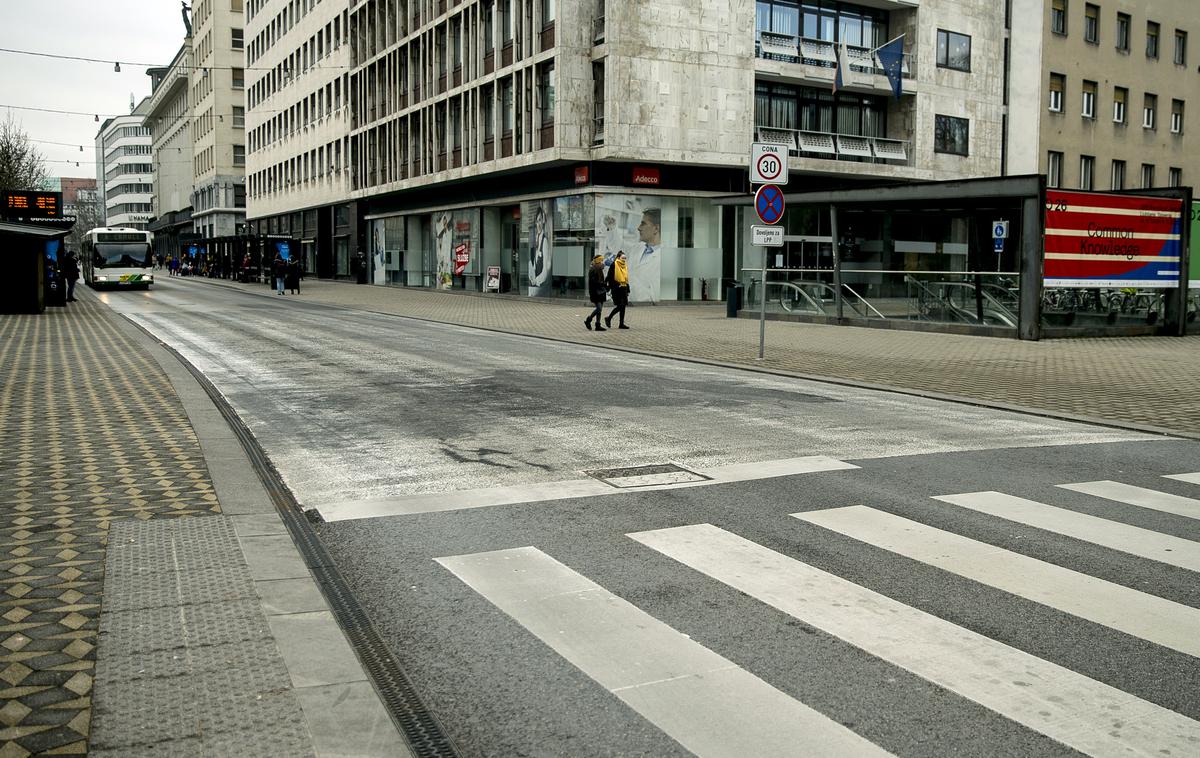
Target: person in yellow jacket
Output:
[{"x": 618, "y": 284}]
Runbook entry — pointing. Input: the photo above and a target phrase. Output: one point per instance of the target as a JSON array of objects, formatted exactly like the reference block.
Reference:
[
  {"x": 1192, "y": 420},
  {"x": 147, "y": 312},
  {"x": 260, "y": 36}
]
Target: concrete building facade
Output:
[
  {"x": 500, "y": 144},
  {"x": 169, "y": 119},
  {"x": 1100, "y": 92},
  {"x": 124, "y": 174}
]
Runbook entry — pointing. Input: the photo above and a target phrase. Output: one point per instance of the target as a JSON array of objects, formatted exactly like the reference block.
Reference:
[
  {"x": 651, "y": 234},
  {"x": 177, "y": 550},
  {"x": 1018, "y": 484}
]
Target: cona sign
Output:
[{"x": 1095, "y": 239}]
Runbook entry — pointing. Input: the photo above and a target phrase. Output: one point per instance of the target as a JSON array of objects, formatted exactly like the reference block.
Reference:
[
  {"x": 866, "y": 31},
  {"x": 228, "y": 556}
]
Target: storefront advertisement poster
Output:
[
  {"x": 541, "y": 253},
  {"x": 633, "y": 223},
  {"x": 451, "y": 229},
  {"x": 379, "y": 275}
]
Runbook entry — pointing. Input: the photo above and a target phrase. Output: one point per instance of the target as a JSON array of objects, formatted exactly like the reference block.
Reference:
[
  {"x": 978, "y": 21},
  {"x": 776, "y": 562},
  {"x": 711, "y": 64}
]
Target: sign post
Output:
[
  {"x": 768, "y": 164},
  {"x": 769, "y": 205},
  {"x": 999, "y": 234}
]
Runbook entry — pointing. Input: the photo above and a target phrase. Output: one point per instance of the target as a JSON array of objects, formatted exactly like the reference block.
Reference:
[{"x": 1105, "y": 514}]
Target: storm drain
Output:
[{"x": 646, "y": 476}]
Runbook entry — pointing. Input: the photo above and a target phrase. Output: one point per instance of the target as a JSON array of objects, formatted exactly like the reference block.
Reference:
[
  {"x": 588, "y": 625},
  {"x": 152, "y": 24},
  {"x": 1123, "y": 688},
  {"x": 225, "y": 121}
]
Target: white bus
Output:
[{"x": 117, "y": 257}]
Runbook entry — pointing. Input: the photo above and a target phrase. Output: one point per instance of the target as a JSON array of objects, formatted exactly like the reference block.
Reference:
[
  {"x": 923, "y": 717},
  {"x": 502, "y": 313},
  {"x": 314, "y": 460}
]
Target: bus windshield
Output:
[{"x": 121, "y": 254}]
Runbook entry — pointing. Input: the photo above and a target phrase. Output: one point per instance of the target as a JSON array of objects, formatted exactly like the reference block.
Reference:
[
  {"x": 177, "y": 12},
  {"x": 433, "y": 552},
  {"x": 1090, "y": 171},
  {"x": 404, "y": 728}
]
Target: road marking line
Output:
[
  {"x": 1139, "y": 496},
  {"x": 1079, "y": 712},
  {"x": 1190, "y": 478},
  {"x": 705, "y": 702},
  {"x": 570, "y": 488},
  {"x": 1151, "y": 618},
  {"x": 1133, "y": 540}
]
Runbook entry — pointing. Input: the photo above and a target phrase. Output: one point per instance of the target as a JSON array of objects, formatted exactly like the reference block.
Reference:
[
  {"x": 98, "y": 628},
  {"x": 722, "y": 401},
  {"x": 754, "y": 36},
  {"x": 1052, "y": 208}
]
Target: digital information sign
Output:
[
  {"x": 30, "y": 206},
  {"x": 1103, "y": 240}
]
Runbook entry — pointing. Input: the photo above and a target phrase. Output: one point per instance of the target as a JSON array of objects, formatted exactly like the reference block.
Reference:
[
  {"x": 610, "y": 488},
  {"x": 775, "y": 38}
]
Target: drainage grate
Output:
[{"x": 647, "y": 476}]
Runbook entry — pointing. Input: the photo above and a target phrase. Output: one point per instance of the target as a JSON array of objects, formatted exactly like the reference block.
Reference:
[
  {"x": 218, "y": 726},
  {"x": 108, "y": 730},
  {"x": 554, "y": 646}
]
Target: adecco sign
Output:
[{"x": 1102, "y": 240}]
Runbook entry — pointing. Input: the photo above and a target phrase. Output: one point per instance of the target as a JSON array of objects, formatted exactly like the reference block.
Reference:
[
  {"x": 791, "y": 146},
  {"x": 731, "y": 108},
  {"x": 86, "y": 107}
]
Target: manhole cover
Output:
[{"x": 646, "y": 476}]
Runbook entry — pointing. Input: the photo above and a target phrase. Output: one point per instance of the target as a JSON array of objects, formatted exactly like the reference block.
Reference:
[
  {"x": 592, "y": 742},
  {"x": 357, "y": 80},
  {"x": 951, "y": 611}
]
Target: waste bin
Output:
[{"x": 733, "y": 299}]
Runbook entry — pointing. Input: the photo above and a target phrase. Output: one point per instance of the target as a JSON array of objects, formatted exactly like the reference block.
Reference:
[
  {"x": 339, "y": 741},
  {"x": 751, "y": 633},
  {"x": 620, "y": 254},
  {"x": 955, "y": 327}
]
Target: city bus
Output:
[{"x": 117, "y": 257}]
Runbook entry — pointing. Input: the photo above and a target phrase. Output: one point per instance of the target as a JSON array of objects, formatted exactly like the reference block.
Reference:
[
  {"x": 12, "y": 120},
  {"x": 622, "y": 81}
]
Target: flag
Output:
[
  {"x": 891, "y": 58},
  {"x": 839, "y": 72}
]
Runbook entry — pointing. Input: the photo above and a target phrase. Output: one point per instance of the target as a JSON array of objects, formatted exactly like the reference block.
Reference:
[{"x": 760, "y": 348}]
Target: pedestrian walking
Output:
[
  {"x": 618, "y": 285},
  {"x": 279, "y": 271},
  {"x": 596, "y": 292},
  {"x": 71, "y": 274},
  {"x": 293, "y": 276}
]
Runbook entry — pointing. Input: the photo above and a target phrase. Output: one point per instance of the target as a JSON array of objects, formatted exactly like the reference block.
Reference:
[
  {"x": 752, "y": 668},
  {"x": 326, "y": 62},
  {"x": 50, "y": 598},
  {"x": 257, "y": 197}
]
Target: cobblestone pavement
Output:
[
  {"x": 91, "y": 433},
  {"x": 1152, "y": 381}
]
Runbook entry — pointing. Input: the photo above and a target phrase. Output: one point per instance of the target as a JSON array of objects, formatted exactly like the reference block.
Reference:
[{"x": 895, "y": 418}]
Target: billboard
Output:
[{"x": 1095, "y": 239}]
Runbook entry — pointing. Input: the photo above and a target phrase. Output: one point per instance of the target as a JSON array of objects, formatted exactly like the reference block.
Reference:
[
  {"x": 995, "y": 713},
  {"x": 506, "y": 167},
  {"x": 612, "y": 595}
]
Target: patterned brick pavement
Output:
[
  {"x": 91, "y": 432},
  {"x": 1149, "y": 380}
]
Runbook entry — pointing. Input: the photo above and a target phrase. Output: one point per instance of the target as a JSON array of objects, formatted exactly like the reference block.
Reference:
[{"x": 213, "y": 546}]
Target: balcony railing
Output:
[
  {"x": 818, "y": 52},
  {"x": 837, "y": 147}
]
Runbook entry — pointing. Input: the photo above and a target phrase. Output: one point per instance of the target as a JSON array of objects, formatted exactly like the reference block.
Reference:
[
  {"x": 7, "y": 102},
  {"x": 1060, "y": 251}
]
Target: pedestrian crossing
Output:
[{"x": 701, "y": 698}]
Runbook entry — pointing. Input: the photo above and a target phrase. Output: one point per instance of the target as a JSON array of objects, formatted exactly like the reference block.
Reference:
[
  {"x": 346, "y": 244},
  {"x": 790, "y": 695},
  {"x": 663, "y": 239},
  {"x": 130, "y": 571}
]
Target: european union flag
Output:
[{"x": 891, "y": 59}]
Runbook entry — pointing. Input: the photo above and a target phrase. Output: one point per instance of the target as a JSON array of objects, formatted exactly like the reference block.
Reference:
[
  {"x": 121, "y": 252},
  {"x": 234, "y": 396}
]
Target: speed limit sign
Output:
[{"x": 768, "y": 163}]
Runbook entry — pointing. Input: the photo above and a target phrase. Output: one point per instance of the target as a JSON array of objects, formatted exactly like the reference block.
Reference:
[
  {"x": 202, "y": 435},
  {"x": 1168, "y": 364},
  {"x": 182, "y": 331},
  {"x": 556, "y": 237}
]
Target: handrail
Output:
[
  {"x": 999, "y": 311},
  {"x": 863, "y": 300},
  {"x": 782, "y": 297}
]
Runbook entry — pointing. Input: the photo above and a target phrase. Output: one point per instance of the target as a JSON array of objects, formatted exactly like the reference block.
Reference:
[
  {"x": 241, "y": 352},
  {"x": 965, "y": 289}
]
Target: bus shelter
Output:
[
  {"x": 998, "y": 256},
  {"x": 32, "y": 277}
]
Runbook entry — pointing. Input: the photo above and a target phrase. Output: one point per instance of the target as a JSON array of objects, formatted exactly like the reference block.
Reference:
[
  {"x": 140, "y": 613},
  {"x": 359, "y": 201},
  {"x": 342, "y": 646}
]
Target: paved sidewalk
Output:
[
  {"x": 151, "y": 600},
  {"x": 1144, "y": 381}
]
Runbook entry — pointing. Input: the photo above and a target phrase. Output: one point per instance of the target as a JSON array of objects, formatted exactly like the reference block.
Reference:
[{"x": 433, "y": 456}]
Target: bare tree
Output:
[
  {"x": 89, "y": 214},
  {"x": 21, "y": 164}
]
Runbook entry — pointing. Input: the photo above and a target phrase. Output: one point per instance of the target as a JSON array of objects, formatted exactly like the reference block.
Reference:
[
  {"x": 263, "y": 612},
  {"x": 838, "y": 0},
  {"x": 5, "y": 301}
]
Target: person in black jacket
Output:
[
  {"x": 293, "y": 276},
  {"x": 596, "y": 292},
  {"x": 70, "y": 271},
  {"x": 279, "y": 271}
]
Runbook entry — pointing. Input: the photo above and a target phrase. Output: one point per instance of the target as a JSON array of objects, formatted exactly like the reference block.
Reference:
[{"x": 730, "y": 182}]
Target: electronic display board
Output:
[{"x": 17, "y": 205}]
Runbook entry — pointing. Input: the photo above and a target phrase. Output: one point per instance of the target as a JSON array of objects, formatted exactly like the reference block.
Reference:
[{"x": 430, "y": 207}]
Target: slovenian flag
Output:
[{"x": 839, "y": 71}]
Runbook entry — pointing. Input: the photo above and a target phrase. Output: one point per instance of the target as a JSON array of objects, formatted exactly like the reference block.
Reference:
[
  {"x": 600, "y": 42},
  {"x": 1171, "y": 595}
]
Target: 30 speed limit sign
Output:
[{"x": 768, "y": 163}]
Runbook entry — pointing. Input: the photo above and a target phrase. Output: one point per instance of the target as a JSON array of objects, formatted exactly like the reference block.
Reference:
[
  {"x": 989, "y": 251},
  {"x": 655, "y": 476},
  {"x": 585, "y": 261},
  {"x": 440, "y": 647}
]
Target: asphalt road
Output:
[{"x": 780, "y": 580}]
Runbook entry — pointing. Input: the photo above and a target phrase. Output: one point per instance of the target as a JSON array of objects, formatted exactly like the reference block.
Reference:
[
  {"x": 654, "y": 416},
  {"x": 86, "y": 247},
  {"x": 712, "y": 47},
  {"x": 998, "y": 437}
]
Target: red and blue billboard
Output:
[{"x": 1095, "y": 239}]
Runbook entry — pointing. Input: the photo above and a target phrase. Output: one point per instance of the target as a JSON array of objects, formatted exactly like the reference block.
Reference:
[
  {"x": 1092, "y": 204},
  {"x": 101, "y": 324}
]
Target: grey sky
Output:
[{"x": 145, "y": 31}]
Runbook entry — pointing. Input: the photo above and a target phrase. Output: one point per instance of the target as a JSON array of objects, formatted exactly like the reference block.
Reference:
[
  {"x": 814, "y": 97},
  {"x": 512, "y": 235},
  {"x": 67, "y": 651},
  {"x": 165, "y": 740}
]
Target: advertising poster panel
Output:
[
  {"x": 633, "y": 223},
  {"x": 378, "y": 235},
  {"x": 1095, "y": 239},
  {"x": 1193, "y": 266},
  {"x": 541, "y": 247},
  {"x": 451, "y": 230}
]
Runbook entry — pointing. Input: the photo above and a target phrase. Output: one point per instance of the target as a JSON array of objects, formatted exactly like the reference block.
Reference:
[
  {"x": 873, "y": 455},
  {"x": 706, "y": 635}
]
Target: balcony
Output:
[
  {"x": 819, "y": 60},
  {"x": 837, "y": 147}
]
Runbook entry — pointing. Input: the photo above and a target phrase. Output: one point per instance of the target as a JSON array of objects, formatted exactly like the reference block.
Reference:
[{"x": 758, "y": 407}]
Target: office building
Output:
[{"x": 124, "y": 174}]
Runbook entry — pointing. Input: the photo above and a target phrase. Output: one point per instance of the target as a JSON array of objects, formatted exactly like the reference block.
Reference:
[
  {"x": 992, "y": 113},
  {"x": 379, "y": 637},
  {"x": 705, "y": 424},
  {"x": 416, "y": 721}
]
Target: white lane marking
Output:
[
  {"x": 1139, "y": 496},
  {"x": 1077, "y": 711},
  {"x": 547, "y": 491},
  {"x": 1143, "y": 543},
  {"x": 1190, "y": 478},
  {"x": 1151, "y": 618},
  {"x": 705, "y": 702}
]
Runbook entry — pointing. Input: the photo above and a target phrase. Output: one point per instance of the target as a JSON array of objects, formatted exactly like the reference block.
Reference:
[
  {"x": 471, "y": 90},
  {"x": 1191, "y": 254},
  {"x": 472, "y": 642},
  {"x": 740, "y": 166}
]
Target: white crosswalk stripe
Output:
[
  {"x": 1151, "y": 618},
  {"x": 1190, "y": 478},
  {"x": 692, "y": 694},
  {"x": 1133, "y": 540},
  {"x": 1139, "y": 496},
  {"x": 1081, "y": 713}
]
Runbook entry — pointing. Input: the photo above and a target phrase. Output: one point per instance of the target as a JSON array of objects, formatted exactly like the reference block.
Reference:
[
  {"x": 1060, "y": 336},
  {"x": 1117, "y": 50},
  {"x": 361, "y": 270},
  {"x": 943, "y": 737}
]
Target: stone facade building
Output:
[{"x": 124, "y": 175}]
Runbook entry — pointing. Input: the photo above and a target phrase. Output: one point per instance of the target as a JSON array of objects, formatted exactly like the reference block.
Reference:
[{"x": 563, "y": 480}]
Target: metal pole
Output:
[
  {"x": 762, "y": 311},
  {"x": 837, "y": 260}
]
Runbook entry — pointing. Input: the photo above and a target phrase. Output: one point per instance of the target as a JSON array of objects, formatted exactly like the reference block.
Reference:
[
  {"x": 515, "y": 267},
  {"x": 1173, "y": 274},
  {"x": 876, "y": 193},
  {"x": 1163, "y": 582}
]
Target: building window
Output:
[
  {"x": 1151, "y": 39},
  {"x": 237, "y": 41},
  {"x": 1058, "y": 16},
  {"x": 1180, "y": 47},
  {"x": 951, "y": 135},
  {"x": 239, "y": 78},
  {"x": 506, "y": 106},
  {"x": 1091, "y": 23},
  {"x": 953, "y": 50},
  {"x": 504, "y": 12},
  {"x": 239, "y": 155},
  {"x": 1089, "y": 100},
  {"x": 1149, "y": 110},
  {"x": 1057, "y": 85},
  {"x": 548, "y": 12},
  {"x": 1119, "y": 96},
  {"x": 1176, "y": 117},
  {"x": 1054, "y": 168},
  {"x": 546, "y": 94},
  {"x": 1123, "y": 32},
  {"x": 1147, "y": 175},
  {"x": 1118, "y": 175},
  {"x": 1174, "y": 177},
  {"x": 239, "y": 117},
  {"x": 1087, "y": 170}
]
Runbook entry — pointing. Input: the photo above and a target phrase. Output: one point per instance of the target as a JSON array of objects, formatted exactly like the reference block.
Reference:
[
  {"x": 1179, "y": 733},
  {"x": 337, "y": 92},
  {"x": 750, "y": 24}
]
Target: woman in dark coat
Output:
[
  {"x": 596, "y": 292},
  {"x": 292, "y": 280}
]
